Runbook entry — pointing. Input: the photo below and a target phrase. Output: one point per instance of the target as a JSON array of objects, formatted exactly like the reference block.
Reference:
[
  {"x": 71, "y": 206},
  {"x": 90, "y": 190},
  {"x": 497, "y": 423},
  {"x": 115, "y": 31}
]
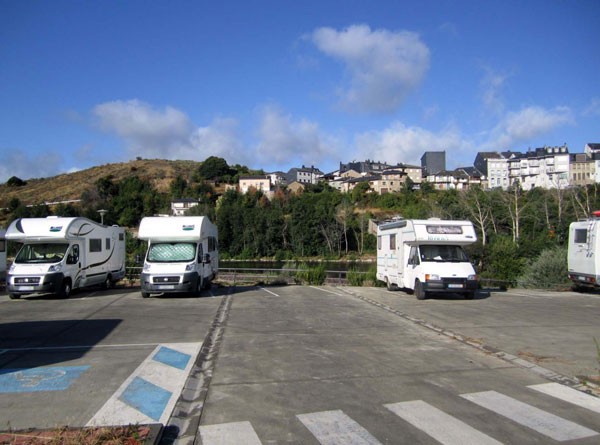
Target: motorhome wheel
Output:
[
  {"x": 145, "y": 294},
  {"x": 14, "y": 296},
  {"x": 470, "y": 295},
  {"x": 107, "y": 283},
  {"x": 419, "y": 291},
  {"x": 65, "y": 290}
]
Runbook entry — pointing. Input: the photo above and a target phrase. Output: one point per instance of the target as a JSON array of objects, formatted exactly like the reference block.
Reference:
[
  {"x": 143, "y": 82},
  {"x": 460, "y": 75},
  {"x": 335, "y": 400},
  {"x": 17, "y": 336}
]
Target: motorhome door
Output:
[
  {"x": 73, "y": 265},
  {"x": 412, "y": 267}
]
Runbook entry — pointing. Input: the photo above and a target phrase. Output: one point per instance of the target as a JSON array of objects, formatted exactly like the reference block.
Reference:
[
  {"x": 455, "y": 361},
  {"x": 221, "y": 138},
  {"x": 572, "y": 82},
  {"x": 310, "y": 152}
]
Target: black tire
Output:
[
  {"x": 65, "y": 289},
  {"x": 199, "y": 286},
  {"x": 145, "y": 294},
  {"x": 391, "y": 287},
  {"x": 107, "y": 282},
  {"x": 470, "y": 295},
  {"x": 419, "y": 291},
  {"x": 14, "y": 296}
]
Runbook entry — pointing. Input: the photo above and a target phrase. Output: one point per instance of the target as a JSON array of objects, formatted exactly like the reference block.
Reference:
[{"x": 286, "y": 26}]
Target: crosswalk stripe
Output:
[
  {"x": 569, "y": 395},
  {"x": 543, "y": 422},
  {"x": 335, "y": 427},
  {"x": 442, "y": 427},
  {"x": 233, "y": 433}
]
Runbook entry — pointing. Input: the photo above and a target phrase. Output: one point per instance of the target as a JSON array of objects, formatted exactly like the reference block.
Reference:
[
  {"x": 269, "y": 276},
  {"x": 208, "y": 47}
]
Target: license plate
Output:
[
  {"x": 25, "y": 287},
  {"x": 455, "y": 286},
  {"x": 581, "y": 278},
  {"x": 166, "y": 286}
]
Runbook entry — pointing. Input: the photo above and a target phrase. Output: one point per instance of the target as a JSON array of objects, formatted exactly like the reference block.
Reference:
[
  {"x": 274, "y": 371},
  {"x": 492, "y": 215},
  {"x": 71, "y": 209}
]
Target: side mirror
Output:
[
  {"x": 206, "y": 258},
  {"x": 70, "y": 259}
]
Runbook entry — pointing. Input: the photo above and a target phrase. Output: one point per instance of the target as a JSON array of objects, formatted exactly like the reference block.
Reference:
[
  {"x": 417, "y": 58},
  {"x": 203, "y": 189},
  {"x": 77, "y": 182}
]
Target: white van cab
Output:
[
  {"x": 426, "y": 256},
  {"x": 182, "y": 254}
]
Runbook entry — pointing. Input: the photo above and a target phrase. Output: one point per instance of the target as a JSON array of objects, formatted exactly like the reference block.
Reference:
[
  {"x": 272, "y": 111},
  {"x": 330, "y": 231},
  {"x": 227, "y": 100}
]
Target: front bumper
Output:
[
  {"x": 187, "y": 282},
  {"x": 453, "y": 285},
  {"x": 50, "y": 282}
]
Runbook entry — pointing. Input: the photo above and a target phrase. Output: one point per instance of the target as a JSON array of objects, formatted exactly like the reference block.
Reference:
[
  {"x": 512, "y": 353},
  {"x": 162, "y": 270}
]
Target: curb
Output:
[
  {"x": 546, "y": 373},
  {"x": 183, "y": 424}
]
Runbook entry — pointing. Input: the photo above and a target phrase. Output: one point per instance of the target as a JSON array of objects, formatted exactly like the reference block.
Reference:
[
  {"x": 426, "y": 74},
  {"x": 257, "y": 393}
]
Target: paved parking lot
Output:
[{"x": 304, "y": 364}]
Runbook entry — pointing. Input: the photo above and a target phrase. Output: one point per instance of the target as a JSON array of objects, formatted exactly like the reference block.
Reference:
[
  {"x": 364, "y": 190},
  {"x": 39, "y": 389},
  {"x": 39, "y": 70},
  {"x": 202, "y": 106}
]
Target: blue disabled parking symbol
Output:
[{"x": 39, "y": 379}]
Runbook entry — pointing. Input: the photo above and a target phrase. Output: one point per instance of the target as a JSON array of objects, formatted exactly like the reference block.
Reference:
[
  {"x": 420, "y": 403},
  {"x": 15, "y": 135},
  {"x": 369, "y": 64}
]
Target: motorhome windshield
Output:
[
  {"x": 171, "y": 252},
  {"x": 41, "y": 253},
  {"x": 441, "y": 253}
]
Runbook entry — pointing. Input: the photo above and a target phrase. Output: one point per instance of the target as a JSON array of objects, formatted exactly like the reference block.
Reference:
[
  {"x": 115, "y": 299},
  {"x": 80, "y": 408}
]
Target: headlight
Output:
[
  {"x": 146, "y": 267},
  {"x": 431, "y": 277},
  {"x": 472, "y": 278},
  {"x": 189, "y": 267},
  {"x": 55, "y": 268}
]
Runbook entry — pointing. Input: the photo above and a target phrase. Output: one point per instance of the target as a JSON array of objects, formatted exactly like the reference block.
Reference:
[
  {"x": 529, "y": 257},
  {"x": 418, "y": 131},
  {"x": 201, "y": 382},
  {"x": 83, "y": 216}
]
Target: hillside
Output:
[{"x": 69, "y": 186}]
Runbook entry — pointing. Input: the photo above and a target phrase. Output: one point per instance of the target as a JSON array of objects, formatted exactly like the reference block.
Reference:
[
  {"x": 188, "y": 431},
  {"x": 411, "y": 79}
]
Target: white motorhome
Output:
[
  {"x": 582, "y": 257},
  {"x": 2, "y": 256},
  {"x": 182, "y": 254},
  {"x": 426, "y": 256},
  {"x": 61, "y": 254}
]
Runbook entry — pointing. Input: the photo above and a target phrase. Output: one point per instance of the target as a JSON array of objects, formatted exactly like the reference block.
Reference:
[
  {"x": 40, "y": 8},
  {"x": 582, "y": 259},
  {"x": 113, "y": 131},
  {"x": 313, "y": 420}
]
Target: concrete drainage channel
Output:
[
  {"x": 183, "y": 424},
  {"x": 517, "y": 361}
]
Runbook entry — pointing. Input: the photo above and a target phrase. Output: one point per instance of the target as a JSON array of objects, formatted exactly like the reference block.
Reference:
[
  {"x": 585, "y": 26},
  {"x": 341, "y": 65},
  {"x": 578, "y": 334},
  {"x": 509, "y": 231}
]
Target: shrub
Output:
[
  {"x": 548, "y": 270},
  {"x": 371, "y": 277},
  {"x": 311, "y": 274},
  {"x": 355, "y": 277}
]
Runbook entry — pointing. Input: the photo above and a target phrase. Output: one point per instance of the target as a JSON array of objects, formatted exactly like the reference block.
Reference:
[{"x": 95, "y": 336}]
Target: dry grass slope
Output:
[{"x": 69, "y": 186}]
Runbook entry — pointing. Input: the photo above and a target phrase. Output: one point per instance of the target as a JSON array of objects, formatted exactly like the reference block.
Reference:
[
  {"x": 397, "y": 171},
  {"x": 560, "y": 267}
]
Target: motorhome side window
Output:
[
  {"x": 95, "y": 245},
  {"x": 107, "y": 243},
  {"x": 212, "y": 244},
  {"x": 580, "y": 235},
  {"x": 121, "y": 237},
  {"x": 413, "y": 258},
  {"x": 393, "y": 242},
  {"x": 200, "y": 251}
]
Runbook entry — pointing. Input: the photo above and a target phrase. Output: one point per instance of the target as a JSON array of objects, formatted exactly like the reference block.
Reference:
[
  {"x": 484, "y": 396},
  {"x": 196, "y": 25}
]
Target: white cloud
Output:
[
  {"x": 16, "y": 163},
  {"x": 282, "y": 139},
  {"x": 384, "y": 66},
  {"x": 400, "y": 143},
  {"x": 491, "y": 84},
  {"x": 169, "y": 133},
  {"x": 527, "y": 124},
  {"x": 593, "y": 109}
]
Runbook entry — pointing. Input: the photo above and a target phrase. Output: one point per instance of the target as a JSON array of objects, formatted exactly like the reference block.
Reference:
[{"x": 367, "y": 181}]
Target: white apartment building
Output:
[{"x": 262, "y": 183}]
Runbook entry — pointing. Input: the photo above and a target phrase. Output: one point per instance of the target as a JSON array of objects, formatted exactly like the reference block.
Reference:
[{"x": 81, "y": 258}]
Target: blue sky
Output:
[{"x": 277, "y": 84}]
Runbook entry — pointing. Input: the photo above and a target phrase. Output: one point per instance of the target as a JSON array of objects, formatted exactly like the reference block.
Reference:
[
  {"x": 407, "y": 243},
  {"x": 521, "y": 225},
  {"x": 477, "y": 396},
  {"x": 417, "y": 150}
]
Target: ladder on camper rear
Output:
[{"x": 591, "y": 238}]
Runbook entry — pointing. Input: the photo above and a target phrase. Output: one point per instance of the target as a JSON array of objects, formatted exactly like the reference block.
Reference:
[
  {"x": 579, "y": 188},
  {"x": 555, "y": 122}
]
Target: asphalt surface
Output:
[{"x": 302, "y": 364}]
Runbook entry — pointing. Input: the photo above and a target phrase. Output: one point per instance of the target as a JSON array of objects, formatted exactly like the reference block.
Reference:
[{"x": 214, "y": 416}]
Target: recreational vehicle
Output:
[
  {"x": 582, "y": 257},
  {"x": 61, "y": 254},
  {"x": 2, "y": 256},
  {"x": 426, "y": 256},
  {"x": 182, "y": 254}
]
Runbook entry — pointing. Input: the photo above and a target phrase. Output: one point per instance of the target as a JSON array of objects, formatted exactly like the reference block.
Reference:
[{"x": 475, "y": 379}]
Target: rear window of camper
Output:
[
  {"x": 212, "y": 244},
  {"x": 580, "y": 235},
  {"x": 172, "y": 252}
]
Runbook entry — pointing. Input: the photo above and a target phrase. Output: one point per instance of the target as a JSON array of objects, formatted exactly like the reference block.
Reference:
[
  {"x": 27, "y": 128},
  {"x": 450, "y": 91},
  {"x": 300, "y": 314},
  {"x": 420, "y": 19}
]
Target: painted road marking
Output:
[
  {"x": 267, "y": 290},
  {"x": 39, "y": 379},
  {"x": 326, "y": 290},
  {"x": 569, "y": 395},
  {"x": 335, "y": 427},
  {"x": 149, "y": 394},
  {"x": 543, "y": 422},
  {"x": 233, "y": 433},
  {"x": 442, "y": 427}
]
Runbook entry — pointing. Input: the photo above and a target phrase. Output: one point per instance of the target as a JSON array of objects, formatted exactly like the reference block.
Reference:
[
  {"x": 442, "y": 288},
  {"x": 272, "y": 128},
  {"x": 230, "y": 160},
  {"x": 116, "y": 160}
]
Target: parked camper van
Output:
[
  {"x": 182, "y": 254},
  {"x": 426, "y": 256},
  {"x": 61, "y": 254},
  {"x": 2, "y": 256},
  {"x": 582, "y": 257}
]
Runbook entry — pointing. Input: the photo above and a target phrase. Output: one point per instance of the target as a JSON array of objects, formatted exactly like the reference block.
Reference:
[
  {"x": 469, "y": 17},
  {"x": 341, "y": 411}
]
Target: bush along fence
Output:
[{"x": 317, "y": 275}]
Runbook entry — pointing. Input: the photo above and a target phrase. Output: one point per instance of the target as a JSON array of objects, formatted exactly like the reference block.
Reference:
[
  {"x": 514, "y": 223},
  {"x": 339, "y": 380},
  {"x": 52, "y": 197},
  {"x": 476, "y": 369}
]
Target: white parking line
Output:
[
  {"x": 543, "y": 422},
  {"x": 267, "y": 290},
  {"x": 335, "y": 427},
  {"x": 439, "y": 425},
  {"x": 229, "y": 434},
  {"x": 326, "y": 290},
  {"x": 569, "y": 395}
]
